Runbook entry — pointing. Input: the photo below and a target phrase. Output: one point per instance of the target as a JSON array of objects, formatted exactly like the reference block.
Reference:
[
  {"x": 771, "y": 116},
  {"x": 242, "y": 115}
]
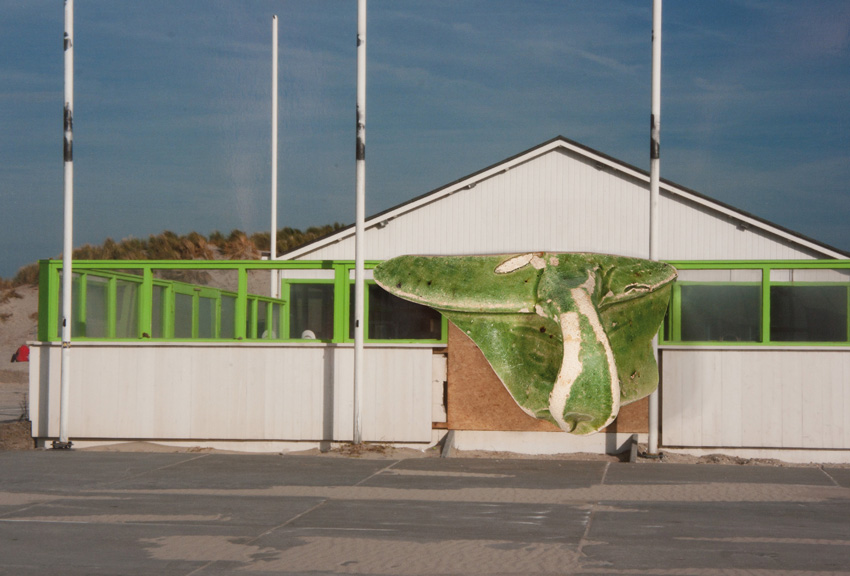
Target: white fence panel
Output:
[
  {"x": 756, "y": 398},
  {"x": 217, "y": 392}
]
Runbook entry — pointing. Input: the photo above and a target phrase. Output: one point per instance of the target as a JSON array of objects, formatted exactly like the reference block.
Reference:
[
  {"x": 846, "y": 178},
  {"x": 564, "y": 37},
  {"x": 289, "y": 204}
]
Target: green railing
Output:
[
  {"x": 210, "y": 301},
  {"x": 796, "y": 302},
  {"x": 751, "y": 303}
]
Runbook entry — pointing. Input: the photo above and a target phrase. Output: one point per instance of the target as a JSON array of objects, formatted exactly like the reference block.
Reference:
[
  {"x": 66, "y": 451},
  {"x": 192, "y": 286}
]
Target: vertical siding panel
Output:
[
  {"x": 792, "y": 398},
  {"x": 709, "y": 379},
  {"x": 693, "y": 384},
  {"x": 556, "y": 201},
  {"x": 752, "y": 403},
  {"x": 833, "y": 401},
  {"x": 773, "y": 417},
  {"x": 672, "y": 399},
  {"x": 730, "y": 385},
  {"x": 814, "y": 420}
]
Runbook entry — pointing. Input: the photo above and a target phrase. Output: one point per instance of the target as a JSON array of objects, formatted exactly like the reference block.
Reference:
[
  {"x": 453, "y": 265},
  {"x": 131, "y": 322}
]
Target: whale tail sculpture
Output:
[{"x": 569, "y": 335}]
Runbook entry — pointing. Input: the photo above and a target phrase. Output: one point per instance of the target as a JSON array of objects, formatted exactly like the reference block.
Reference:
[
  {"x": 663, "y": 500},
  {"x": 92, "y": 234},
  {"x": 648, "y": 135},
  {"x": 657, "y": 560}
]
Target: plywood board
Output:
[{"x": 477, "y": 399}]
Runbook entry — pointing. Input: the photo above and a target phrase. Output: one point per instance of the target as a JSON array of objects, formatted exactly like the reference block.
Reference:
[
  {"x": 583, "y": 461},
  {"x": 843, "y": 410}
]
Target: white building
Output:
[{"x": 755, "y": 355}]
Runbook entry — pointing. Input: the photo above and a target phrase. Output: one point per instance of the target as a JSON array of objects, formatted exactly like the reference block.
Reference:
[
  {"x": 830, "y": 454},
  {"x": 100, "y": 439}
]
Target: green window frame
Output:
[{"x": 775, "y": 327}]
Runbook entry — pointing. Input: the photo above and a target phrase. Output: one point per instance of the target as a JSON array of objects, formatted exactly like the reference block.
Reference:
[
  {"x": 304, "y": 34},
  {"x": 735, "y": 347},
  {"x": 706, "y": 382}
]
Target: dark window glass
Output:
[
  {"x": 393, "y": 318},
  {"x": 206, "y": 318},
  {"x": 808, "y": 313},
  {"x": 721, "y": 313},
  {"x": 311, "y": 308},
  {"x": 182, "y": 316},
  {"x": 158, "y": 301},
  {"x": 228, "y": 317}
]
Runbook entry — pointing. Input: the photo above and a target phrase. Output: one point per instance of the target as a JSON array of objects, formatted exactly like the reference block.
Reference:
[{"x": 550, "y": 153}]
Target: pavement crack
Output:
[
  {"x": 604, "y": 473},
  {"x": 376, "y": 473},
  {"x": 828, "y": 475}
]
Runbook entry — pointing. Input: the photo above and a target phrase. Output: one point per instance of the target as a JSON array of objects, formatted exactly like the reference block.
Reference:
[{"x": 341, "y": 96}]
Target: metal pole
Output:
[
  {"x": 654, "y": 168},
  {"x": 275, "y": 288},
  {"x": 67, "y": 249},
  {"x": 360, "y": 217}
]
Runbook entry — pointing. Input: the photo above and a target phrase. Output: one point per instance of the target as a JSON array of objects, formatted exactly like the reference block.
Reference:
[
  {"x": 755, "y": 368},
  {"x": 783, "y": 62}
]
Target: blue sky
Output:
[{"x": 173, "y": 103}]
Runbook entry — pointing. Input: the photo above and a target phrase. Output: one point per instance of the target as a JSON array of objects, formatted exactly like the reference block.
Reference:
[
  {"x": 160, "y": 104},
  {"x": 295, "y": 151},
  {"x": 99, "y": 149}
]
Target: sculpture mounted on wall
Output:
[{"x": 569, "y": 335}]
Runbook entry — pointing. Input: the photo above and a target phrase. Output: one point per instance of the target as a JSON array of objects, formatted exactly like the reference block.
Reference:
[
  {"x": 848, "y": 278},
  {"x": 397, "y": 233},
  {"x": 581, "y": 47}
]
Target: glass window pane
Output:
[
  {"x": 206, "y": 318},
  {"x": 182, "y": 316},
  {"x": 126, "y": 309},
  {"x": 275, "y": 322},
  {"x": 228, "y": 317},
  {"x": 393, "y": 318},
  {"x": 721, "y": 313},
  {"x": 311, "y": 311},
  {"x": 78, "y": 326},
  {"x": 157, "y": 302},
  {"x": 808, "y": 313},
  {"x": 97, "y": 290},
  {"x": 262, "y": 319}
]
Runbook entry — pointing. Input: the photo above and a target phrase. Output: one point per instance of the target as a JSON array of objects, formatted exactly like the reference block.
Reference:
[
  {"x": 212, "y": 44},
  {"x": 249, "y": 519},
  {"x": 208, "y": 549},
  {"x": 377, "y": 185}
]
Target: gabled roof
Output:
[{"x": 560, "y": 143}]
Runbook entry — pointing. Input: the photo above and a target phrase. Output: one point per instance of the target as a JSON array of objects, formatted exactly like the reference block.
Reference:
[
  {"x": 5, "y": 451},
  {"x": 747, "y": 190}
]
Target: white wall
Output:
[
  {"x": 560, "y": 201},
  {"x": 232, "y": 392},
  {"x": 756, "y": 398}
]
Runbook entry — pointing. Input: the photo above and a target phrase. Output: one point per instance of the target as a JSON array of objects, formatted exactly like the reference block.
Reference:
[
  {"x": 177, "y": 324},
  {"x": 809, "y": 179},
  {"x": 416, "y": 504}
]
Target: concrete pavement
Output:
[{"x": 126, "y": 513}]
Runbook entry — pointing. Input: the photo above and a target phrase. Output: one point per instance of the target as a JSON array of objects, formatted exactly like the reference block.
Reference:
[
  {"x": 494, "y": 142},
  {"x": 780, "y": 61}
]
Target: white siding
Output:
[
  {"x": 216, "y": 392},
  {"x": 561, "y": 201},
  {"x": 756, "y": 398}
]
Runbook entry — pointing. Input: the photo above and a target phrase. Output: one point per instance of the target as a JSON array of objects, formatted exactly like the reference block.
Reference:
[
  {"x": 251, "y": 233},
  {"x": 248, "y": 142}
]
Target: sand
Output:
[{"x": 18, "y": 324}]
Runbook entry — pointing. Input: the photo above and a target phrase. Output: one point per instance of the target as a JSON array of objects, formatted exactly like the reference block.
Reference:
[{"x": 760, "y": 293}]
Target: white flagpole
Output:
[
  {"x": 275, "y": 288},
  {"x": 67, "y": 250},
  {"x": 654, "y": 169},
  {"x": 360, "y": 217}
]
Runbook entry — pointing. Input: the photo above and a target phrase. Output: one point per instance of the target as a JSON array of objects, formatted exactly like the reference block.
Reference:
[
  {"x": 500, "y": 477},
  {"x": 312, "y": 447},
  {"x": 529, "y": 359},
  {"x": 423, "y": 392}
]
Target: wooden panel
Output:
[
  {"x": 756, "y": 398},
  {"x": 477, "y": 399}
]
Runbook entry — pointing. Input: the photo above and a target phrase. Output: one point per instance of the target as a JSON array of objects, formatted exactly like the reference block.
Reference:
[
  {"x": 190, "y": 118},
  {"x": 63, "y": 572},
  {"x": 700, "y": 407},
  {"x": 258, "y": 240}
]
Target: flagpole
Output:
[
  {"x": 654, "y": 169},
  {"x": 275, "y": 287},
  {"x": 360, "y": 216},
  {"x": 68, "y": 246}
]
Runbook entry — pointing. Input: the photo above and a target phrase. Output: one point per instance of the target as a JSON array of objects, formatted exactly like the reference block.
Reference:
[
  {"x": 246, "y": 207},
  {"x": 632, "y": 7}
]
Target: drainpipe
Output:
[
  {"x": 360, "y": 217},
  {"x": 275, "y": 287},
  {"x": 68, "y": 247},
  {"x": 654, "y": 168}
]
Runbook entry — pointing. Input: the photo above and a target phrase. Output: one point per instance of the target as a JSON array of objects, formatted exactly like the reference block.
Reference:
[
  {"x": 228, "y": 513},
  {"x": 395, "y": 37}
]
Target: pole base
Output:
[{"x": 57, "y": 445}]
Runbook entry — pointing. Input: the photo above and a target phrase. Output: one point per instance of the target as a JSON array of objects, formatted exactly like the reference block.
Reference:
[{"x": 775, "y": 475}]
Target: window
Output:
[
  {"x": 96, "y": 308},
  {"x": 311, "y": 311},
  {"x": 808, "y": 313},
  {"x": 182, "y": 316},
  {"x": 393, "y": 318},
  {"x": 228, "y": 317},
  {"x": 126, "y": 309},
  {"x": 720, "y": 313},
  {"x": 206, "y": 317}
]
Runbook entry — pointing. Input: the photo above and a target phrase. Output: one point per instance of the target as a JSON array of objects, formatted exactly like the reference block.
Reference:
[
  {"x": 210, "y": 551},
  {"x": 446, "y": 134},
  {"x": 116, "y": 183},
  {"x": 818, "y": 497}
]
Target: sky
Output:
[{"x": 172, "y": 107}]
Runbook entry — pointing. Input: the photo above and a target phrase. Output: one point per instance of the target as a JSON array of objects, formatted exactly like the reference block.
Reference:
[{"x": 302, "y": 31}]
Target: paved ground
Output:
[{"x": 209, "y": 514}]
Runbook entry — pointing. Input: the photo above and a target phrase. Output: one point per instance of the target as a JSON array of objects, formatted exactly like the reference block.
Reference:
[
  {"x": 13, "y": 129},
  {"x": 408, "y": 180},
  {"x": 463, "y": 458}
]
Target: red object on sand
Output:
[{"x": 22, "y": 355}]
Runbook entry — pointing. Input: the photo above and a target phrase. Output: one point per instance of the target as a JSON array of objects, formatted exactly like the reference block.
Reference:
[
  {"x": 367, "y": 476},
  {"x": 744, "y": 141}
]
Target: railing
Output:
[
  {"x": 749, "y": 303},
  {"x": 776, "y": 303},
  {"x": 205, "y": 300}
]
